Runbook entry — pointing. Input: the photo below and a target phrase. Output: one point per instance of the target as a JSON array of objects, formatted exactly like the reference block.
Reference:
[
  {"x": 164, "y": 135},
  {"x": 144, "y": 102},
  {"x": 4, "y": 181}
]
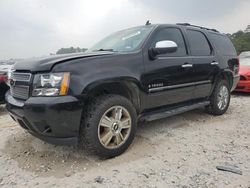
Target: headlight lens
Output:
[
  {"x": 9, "y": 76},
  {"x": 51, "y": 84}
]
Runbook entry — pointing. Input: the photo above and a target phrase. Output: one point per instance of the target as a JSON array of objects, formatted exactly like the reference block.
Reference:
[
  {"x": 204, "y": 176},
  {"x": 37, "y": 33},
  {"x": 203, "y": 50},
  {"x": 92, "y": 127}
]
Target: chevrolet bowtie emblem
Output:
[{"x": 12, "y": 82}]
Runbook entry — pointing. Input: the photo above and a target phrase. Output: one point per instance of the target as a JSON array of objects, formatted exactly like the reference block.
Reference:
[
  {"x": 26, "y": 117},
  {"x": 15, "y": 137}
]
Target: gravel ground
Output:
[{"x": 181, "y": 151}]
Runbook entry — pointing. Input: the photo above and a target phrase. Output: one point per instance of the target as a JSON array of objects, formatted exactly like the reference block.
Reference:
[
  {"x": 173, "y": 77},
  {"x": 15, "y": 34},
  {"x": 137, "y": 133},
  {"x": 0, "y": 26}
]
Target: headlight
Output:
[
  {"x": 9, "y": 76},
  {"x": 51, "y": 84}
]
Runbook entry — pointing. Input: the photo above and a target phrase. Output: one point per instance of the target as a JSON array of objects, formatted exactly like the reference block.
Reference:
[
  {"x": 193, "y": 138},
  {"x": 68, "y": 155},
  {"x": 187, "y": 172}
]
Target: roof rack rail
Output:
[{"x": 188, "y": 24}]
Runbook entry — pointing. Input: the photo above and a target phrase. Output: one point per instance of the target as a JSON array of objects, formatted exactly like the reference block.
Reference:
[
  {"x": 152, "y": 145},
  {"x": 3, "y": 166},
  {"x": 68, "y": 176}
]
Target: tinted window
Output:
[
  {"x": 172, "y": 34},
  {"x": 222, "y": 44},
  {"x": 199, "y": 45}
]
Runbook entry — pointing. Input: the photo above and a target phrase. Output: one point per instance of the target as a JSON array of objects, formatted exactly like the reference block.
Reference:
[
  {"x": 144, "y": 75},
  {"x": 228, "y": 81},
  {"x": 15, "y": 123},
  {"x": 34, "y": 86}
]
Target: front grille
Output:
[
  {"x": 20, "y": 85},
  {"x": 24, "y": 77},
  {"x": 242, "y": 78},
  {"x": 20, "y": 92},
  {"x": 240, "y": 87}
]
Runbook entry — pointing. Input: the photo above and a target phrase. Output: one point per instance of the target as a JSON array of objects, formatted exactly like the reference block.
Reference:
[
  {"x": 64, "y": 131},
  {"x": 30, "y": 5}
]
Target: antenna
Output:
[{"x": 148, "y": 23}]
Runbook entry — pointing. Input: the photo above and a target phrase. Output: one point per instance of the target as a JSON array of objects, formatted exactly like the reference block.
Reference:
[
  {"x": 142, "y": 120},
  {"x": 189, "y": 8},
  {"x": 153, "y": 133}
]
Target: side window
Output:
[
  {"x": 199, "y": 45},
  {"x": 172, "y": 34},
  {"x": 223, "y": 44}
]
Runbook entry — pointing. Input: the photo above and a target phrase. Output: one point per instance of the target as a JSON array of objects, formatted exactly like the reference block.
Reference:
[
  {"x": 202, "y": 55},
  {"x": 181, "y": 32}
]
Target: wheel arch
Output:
[
  {"x": 128, "y": 88},
  {"x": 225, "y": 75}
]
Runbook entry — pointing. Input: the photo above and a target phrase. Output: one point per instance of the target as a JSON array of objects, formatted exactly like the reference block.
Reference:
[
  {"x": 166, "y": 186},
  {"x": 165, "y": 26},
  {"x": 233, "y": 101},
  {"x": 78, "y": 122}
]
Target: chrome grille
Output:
[
  {"x": 20, "y": 85},
  {"x": 24, "y": 77},
  {"x": 20, "y": 92}
]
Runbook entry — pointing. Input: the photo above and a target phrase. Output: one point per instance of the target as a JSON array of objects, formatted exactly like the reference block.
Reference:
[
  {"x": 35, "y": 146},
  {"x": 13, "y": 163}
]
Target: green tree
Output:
[{"x": 241, "y": 41}]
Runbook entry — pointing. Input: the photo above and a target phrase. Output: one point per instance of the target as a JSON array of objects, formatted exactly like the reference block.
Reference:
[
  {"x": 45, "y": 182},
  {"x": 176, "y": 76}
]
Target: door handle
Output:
[
  {"x": 215, "y": 63},
  {"x": 187, "y": 66}
]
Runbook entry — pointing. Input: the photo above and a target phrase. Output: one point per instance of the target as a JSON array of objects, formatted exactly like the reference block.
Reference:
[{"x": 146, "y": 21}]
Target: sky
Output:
[{"x": 30, "y": 28}]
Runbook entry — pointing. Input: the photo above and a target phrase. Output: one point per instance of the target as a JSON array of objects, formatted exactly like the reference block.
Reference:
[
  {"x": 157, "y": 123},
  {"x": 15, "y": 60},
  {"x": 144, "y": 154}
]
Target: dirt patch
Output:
[
  {"x": 43, "y": 159},
  {"x": 2, "y": 110}
]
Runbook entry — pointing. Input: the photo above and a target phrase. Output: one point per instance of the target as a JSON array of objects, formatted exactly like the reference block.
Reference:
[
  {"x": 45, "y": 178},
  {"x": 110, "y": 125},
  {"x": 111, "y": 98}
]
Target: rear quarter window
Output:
[{"x": 222, "y": 44}]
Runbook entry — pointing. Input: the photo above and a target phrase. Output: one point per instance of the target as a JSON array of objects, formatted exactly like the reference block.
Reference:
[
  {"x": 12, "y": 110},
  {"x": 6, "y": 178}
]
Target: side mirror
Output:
[{"x": 163, "y": 47}]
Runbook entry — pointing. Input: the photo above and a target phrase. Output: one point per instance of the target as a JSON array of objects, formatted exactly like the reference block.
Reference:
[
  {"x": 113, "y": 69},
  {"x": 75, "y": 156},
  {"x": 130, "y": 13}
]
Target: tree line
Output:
[{"x": 241, "y": 41}]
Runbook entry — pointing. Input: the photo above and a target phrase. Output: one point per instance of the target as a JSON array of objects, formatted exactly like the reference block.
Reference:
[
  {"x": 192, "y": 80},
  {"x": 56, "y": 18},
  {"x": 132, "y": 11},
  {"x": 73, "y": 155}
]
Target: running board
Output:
[{"x": 151, "y": 116}]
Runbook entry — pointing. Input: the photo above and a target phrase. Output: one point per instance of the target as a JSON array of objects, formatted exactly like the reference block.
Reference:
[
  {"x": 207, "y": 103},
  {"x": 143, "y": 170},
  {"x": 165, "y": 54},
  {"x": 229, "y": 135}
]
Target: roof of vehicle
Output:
[
  {"x": 199, "y": 27},
  {"x": 190, "y": 26}
]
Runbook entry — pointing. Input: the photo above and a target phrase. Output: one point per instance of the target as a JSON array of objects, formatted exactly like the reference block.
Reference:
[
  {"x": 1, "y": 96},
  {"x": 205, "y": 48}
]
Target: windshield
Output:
[
  {"x": 123, "y": 41},
  {"x": 245, "y": 61},
  {"x": 245, "y": 58},
  {"x": 245, "y": 55}
]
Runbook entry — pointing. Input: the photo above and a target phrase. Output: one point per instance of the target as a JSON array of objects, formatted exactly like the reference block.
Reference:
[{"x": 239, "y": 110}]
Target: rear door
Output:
[{"x": 205, "y": 63}]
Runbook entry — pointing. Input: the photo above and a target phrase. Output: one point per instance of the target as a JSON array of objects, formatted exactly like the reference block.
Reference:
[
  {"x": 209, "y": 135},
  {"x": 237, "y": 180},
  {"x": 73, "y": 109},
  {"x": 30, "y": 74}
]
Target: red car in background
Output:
[
  {"x": 244, "y": 83},
  {"x": 3, "y": 86},
  {"x": 5, "y": 67}
]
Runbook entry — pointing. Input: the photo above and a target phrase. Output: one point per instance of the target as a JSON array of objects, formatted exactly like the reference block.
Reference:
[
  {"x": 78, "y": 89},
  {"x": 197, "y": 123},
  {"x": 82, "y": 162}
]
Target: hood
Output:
[
  {"x": 46, "y": 63},
  {"x": 244, "y": 69}
]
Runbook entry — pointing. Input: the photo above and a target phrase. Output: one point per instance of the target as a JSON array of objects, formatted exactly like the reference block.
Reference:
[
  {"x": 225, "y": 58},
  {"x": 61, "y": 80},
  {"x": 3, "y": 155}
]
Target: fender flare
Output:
[
  {"x": 130, "y": 85},
  {"x": 226, "y": 74}
]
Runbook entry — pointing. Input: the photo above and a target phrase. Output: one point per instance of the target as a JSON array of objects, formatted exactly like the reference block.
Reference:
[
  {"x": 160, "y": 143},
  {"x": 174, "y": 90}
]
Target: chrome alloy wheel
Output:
[
  {"x": 114, "y": 127},
  {"x": 223, "y": 98}
]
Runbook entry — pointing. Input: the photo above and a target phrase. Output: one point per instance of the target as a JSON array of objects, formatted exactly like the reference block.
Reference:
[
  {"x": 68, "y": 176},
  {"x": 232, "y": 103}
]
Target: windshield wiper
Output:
[{"x": 102, "y": 49}]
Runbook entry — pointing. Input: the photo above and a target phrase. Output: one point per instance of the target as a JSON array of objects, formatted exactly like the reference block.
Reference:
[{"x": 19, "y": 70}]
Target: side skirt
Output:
[{"x": 151, "y": 116}]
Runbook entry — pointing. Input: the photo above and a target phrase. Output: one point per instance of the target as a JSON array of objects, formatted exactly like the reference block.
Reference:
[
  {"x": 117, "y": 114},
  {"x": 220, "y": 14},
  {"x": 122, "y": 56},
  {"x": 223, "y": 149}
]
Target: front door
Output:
[{"x": 168, "y": 79}]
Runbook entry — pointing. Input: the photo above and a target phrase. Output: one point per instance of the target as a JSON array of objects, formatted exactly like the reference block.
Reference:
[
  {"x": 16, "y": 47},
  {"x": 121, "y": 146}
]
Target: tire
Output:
[
  {"x": 216, "y": 107},
  {"x": 100, "y": 120}
]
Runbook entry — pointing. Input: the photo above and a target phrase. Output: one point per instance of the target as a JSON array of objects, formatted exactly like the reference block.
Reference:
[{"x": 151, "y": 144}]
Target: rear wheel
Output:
[
  {"x": 108, "y": 125},
  {"x": 220, "y": 99}
]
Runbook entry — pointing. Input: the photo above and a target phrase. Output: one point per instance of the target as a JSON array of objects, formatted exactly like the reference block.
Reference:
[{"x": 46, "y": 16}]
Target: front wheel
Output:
[
  {"x": 108, "y": 125},
  {"x": 220, "y": 98}
]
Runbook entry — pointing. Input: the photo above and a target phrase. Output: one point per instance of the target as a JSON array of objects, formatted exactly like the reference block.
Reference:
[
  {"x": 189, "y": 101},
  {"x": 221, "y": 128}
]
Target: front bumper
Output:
[
  {"x": 236, "y": 79},
  {"x": 243, "y": 86},
  {"x": 53, "y": 119}
]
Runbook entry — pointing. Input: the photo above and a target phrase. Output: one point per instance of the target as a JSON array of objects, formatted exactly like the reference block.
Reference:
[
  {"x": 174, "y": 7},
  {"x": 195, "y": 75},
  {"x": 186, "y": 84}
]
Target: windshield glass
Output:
[
  {"x": 123, "y": 41},
  {"x": 245, "y": 55},
  {"x": 245, "y": 61},
  {"x": 245, "y": 58}
]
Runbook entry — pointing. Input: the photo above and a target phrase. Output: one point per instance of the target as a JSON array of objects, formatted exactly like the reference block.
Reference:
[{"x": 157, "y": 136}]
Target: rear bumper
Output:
[
  {"x": 53, "y": 119},
  {"x": 243, "y": 86}
]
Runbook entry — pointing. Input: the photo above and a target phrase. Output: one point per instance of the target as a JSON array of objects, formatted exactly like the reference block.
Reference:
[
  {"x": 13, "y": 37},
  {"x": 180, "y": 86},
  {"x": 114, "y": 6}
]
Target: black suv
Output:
[{"x": 95, "y": 99}]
